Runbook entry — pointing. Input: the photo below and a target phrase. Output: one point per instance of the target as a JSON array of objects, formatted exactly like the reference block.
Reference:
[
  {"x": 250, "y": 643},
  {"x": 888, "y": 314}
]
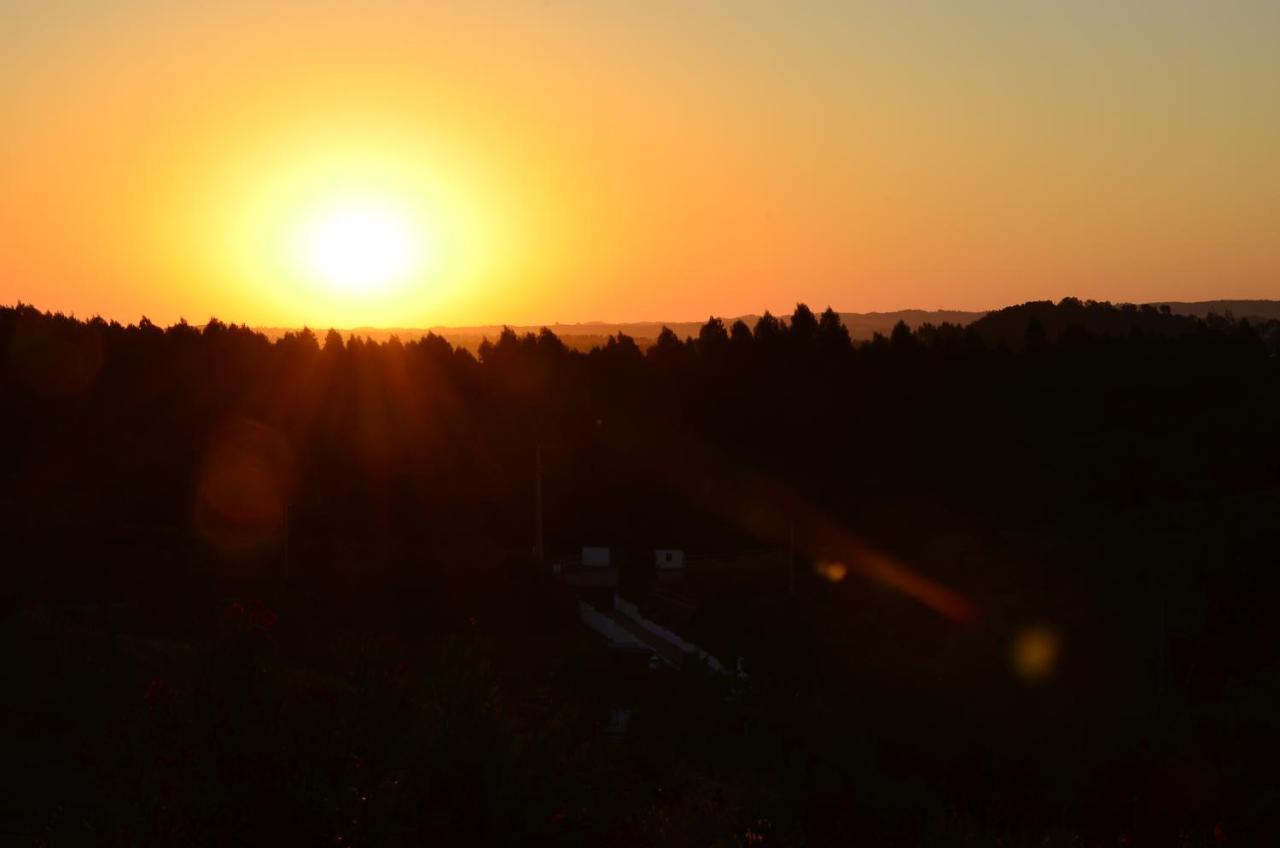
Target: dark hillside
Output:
[{"x": 1012, "y": 582}]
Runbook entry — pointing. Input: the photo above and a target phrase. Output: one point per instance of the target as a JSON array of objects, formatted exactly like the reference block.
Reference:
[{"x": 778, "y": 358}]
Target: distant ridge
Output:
[
  {"x": 1264, "y": 310},
  {"x": 862, "y": 325},
  {"x": 587, "y": 334}
]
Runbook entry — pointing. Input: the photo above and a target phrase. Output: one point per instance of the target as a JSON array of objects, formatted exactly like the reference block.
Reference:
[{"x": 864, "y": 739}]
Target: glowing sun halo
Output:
[{"x": 359, "y": 246}]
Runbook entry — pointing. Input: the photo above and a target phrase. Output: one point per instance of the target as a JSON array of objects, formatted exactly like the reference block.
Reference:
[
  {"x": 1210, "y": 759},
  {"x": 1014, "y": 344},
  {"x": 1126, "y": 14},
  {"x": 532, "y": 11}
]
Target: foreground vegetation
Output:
[{"x": 263, "y": 592}]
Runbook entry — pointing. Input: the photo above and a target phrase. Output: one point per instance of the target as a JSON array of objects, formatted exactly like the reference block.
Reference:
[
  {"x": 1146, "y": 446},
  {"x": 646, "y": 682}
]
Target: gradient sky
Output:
[{"x": 570, "y": 161}]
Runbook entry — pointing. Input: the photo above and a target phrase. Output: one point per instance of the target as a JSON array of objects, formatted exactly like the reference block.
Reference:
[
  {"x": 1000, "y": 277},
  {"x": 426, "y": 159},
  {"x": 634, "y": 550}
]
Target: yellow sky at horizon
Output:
[{"x": 574, "y": 161}]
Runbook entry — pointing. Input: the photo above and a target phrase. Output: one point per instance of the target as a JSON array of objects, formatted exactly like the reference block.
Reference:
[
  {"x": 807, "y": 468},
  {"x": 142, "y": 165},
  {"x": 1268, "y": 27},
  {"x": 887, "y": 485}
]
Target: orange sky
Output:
[{"x": 570, "y": 161}]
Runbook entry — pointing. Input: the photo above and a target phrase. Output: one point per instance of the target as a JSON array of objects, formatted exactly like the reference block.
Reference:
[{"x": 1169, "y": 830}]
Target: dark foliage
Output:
[{"x": 264, "y": 592}]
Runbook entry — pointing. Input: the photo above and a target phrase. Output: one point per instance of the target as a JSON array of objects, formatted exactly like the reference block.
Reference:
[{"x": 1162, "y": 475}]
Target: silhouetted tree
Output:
[
  {"x": 1034, "y": 338},
  {"x": 902, "y": 338},
  {"x": 713, "y": 339},
  {"x": 832, "y": 335},
  {"x": 769, "y": 330},
  {"x": 623, "y": 346},
  {"x": 804, "y": 326}
]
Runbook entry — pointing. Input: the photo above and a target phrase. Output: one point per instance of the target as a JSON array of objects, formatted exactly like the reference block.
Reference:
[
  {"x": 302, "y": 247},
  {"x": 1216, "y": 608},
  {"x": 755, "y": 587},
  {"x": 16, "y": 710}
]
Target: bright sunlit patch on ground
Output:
[
  {"x": 359, "y": 246},
  {"x": 1035, "y": 653}
]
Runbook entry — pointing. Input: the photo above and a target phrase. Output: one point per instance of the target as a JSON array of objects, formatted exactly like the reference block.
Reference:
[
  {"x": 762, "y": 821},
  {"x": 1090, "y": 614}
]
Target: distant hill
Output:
[
  {"x": 1251, "y": 310},
  {"x": 584, "y": 336},
  {"x": 862, "y": 325},
  {"x": 1015, "y": 325}
]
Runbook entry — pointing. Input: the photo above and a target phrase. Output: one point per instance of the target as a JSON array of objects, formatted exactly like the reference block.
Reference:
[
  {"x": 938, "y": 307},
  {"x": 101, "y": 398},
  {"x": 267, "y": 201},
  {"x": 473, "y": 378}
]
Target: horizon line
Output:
[{"x": 728, "y": 319}]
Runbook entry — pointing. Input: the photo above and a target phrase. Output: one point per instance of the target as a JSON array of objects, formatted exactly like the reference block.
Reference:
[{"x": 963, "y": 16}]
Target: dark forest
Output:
[{"x": 1012, "y": 583}]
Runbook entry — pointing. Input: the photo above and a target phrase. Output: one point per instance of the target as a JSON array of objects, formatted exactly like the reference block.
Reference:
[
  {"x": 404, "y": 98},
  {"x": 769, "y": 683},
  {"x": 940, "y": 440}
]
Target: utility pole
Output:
[
  {"x": 287, "y": 540},
  {"x": 791, "y": 560},
  {"x": 537, "y": 504},
  {"x": 1156, "y": 574}
]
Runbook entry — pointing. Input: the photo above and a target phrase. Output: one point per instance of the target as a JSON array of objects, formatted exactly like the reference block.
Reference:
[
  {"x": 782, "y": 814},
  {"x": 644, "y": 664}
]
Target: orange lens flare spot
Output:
[
  {"x": 833, "y": 572},
  {"x": 1035, "y": 653},
  {"x": 243, "y": 493}
]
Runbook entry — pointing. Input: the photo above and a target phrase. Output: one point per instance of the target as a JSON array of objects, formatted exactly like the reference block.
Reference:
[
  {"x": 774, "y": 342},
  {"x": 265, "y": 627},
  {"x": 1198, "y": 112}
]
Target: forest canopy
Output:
[{"x": 332, "y": 540}]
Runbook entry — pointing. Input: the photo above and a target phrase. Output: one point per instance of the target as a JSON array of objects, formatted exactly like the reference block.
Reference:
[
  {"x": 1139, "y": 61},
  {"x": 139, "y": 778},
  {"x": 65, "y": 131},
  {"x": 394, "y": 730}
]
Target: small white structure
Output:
[
  {"x": 662, "y": 634},
  {"x": 668, "y": 558},
  {"x": 610, "y": 628},
  {"x": 595, "y": 557}
]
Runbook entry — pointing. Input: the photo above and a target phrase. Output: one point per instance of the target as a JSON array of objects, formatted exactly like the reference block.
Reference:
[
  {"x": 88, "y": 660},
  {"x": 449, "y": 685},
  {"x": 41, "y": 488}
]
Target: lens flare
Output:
[
  {"x": 1035, "y": 653},
  {"x": 244, "y": 487},
  {"x": 833, "y": 572}
]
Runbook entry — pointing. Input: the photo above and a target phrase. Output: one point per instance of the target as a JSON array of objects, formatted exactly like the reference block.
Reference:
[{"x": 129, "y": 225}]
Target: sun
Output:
[
  {"x": 359, "y": 246},
  {"x": 359, "y": 230}
]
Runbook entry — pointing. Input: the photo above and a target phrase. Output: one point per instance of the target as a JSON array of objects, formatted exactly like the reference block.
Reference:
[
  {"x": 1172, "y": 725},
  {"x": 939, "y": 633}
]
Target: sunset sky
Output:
[{"x": 418, "y": 164}]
